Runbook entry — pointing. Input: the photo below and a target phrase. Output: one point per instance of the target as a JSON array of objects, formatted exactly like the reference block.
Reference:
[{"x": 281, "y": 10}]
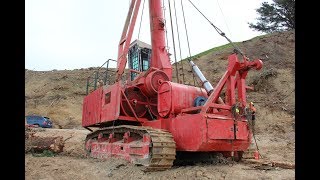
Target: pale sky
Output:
[{"x": 74, "y": 34}]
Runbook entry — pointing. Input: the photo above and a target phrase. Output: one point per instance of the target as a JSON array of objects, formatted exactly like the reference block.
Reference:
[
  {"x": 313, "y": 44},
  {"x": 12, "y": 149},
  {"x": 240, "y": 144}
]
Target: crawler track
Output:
[{"x": 153, "y": 148}]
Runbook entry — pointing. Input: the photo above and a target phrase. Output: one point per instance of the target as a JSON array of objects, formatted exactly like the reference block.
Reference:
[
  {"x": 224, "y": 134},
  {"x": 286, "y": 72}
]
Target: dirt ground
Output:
[
  {"x": 59, "y": 95},
  {"x": 72, "y": 164},
  {"x": 66, "y": 168}
]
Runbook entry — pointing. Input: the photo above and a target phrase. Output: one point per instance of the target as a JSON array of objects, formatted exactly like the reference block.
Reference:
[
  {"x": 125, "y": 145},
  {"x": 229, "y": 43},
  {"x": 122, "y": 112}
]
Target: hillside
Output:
[
  {"x": 59, "y": 95},
  {"x": 274, "y": 84},
  {"x": 274, "y": 87}
]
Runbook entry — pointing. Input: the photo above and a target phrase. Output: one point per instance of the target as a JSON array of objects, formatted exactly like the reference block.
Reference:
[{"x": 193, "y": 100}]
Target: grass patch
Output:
[
  {"x": 45, "y": 153},
  {"x": 222, "y": 47},
  {"x": 219, "y": 48}
]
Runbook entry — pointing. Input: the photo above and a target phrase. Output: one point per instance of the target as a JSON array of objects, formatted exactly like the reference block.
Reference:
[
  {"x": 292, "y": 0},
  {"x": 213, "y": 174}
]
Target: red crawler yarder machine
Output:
[{"x": 148, "y": 118}]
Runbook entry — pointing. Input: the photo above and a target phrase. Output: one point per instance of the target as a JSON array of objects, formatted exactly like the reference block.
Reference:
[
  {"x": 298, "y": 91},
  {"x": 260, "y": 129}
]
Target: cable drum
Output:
[
  {"x": 153, "y": 82},
  {"x": 137, "y": 101}
]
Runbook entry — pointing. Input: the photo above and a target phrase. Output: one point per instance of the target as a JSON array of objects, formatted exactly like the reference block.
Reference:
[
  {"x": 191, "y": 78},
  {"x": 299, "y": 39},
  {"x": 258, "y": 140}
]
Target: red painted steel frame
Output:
[
  {"x": 240, "y": 69},
  {"x": 102, "y": 105},
  {"x": 204, "y": 131},
  {"x": 219, "y": 131},
  {"x": 159, "y": 56},
  {"x": 128, "y": 148},
  {"x": 210, "y": 127},
  {"x": 195, "y": 132},
  {"x": 126, "y": 37}
]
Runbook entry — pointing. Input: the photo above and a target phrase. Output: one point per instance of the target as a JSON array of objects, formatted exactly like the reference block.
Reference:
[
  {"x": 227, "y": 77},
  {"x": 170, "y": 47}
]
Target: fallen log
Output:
[
  {"x": 73, "y": 139},
  {"x": 284, "y": 165},
  {"x": 39, "y": 144}
]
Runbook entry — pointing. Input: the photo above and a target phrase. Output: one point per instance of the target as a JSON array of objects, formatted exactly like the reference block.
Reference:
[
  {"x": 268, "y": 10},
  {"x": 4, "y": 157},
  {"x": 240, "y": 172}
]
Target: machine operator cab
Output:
[{"x": 139, "y": 56}]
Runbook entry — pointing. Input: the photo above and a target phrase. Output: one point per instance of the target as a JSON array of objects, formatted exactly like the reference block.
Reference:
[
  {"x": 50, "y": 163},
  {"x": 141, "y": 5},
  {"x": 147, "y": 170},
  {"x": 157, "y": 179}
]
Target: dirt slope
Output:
[
  {"x": 59, "y": 95},
  {"x": 274, "y": 94},
  {"x": 56, "y": 94}
]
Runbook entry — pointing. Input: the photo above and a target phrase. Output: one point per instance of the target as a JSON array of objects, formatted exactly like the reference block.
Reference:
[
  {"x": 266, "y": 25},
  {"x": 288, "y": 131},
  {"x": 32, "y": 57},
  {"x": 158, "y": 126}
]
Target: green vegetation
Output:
[
  {"x": 219, "y": 48},
  {"x": 222, "y": 47},
  {"x": 277, "y": 16},
  {"x": 45, "y": 153}
]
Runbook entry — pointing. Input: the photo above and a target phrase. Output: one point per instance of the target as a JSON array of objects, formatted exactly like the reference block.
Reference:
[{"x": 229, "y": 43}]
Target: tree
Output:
[{"x": 277, "y": 16}]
